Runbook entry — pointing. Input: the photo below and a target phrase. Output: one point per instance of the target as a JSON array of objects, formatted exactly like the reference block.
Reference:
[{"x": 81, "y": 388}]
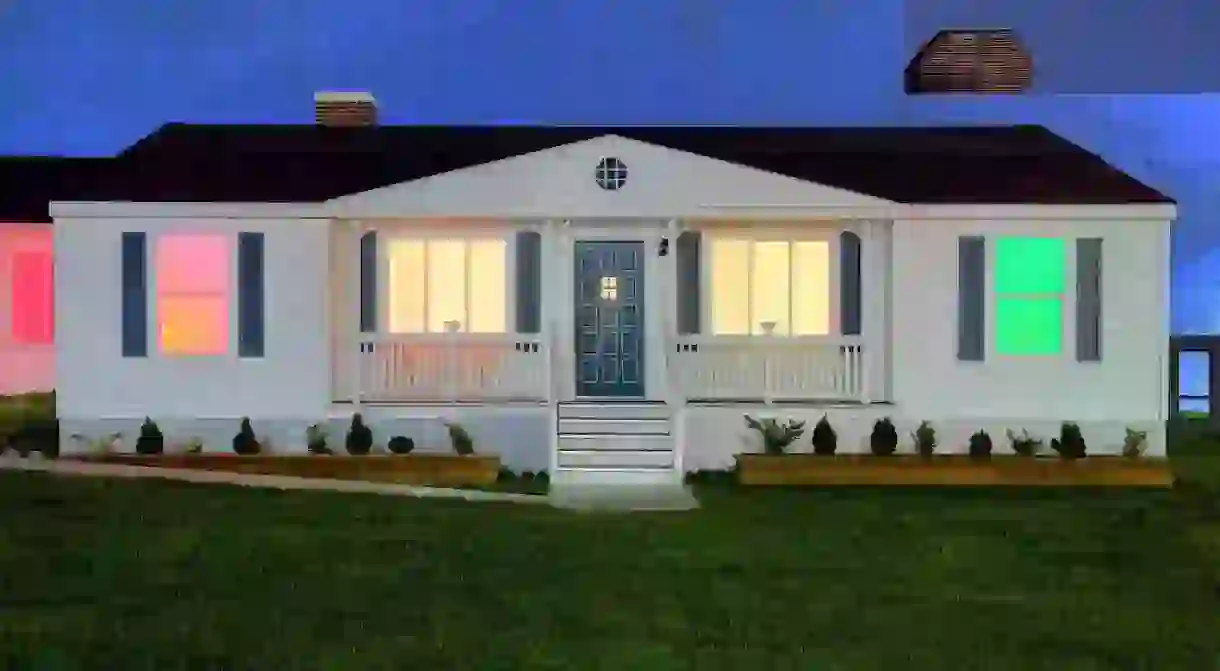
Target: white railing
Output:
[
  {"x": 768, "y": 368},
  {"x": 452, "y": 367}
]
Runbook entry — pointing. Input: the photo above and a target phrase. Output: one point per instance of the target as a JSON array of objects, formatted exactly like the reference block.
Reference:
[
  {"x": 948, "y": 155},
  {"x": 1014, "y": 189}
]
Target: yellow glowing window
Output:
[
  {"x": 777, "y": 285},
  {"x": 435, "y": 282},
  {"x": 192, "y": 280}
]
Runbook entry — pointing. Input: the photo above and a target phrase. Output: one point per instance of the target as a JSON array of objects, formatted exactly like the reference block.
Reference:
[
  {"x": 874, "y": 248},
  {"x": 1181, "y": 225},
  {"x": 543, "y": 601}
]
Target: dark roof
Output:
[{"x": 307, "y": 163}]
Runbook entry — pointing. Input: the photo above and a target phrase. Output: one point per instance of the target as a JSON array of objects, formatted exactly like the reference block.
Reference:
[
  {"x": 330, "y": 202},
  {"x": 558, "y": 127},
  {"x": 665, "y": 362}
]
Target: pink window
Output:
[
  {"x": 193, "y": 294},
  {"x": 33, "y": 301}
]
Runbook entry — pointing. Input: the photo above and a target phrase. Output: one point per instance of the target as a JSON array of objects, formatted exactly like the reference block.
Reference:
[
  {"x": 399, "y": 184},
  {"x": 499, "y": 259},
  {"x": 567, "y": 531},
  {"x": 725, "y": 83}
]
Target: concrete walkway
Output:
[{"x": 13, "y": 463}]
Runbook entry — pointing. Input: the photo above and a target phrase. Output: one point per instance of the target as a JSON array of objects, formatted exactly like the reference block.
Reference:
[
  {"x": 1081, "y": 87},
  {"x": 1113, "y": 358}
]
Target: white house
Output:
[{"x": 610, "y": 302}]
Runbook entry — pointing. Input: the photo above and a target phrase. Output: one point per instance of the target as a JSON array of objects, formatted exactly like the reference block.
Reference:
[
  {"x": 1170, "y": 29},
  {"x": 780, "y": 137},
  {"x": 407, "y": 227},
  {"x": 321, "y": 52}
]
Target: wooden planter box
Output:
[
  {"x": 951, "y": 470},
  {"x": 445, "y": 470}
]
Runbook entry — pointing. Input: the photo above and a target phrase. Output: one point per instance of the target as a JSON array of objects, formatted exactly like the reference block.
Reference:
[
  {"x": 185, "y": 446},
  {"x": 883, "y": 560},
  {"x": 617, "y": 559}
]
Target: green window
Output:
[{"x": 1030, "y": 281}]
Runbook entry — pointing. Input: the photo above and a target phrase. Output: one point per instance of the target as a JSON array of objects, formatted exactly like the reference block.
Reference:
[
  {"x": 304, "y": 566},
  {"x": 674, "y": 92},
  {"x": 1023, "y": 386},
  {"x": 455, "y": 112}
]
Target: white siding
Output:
[
  {"x": 1127, "y": 385},
  {"x": 94, "y": 380}
]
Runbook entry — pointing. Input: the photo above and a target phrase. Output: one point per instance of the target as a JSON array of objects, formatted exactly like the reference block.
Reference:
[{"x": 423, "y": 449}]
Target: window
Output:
[
  {"x": 1029, "y": 286},
  {"x": 432, "y": 282},
  {"x": 192, "y": 294},
  {"x": 756, "y": 283},
  {"x": 33, "y": 305},
  {"x": 611, "y": 174}
]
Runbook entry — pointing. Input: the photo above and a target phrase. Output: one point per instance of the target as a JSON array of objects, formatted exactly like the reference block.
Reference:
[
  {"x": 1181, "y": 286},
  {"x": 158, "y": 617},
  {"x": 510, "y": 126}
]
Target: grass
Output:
[{"x": 145, "y": 574}]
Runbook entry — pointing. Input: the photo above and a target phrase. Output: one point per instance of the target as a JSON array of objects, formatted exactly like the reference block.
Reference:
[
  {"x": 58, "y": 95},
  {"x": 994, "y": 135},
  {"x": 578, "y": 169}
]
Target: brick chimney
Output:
[{"x": 345, "y": 108}]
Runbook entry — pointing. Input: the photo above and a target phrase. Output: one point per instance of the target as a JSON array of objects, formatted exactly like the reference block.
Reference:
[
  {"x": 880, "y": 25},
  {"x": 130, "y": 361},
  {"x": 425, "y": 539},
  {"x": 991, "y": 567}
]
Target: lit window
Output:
[
  {"x": 1029, "y": 286},
  {"x": 192, "y": 280},
  {"x": 33, "y": 311},
  {"x": 432, "y": 282},
  {"x": 757, "y": 284}
]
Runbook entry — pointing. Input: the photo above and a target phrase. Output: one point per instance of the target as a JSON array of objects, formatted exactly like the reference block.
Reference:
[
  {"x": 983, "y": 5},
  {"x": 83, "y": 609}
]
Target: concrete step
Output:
[
  {"x": 629, "y": 427},
  {"x": 623, "y": 497},
  {"x": 613, "y": 411},
  {"x": 639, "y": 443},
  {"x": 616, "y": 459},
  {"x": 592, "y": 475}
]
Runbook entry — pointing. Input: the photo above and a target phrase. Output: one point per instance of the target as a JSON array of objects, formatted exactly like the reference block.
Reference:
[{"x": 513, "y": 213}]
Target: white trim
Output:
[
  {"x": 1160, "y": 212},
  {"x": 127, "y": 210}
]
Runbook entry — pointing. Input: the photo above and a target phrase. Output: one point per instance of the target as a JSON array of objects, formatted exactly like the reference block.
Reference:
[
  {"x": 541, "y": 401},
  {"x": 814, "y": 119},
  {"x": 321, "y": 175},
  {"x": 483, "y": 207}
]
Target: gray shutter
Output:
[
  {"x": 250, "y": 295},
  {"x": 1088, "y": 299},
  {"x": 529, "y": 282},
  {"x": 134, "y": 295},
  {"x": 368, "y": 282},
  {"x": 971, "y": 297},
  {"x": 688, "y": 282},
  {"x": 849, "y": 283}
]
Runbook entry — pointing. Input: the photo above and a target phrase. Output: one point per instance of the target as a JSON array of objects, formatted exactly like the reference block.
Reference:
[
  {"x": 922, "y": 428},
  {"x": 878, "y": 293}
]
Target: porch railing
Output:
[
  {"x": 768, "y": 368},
  {"x": 452, "y": 367}
]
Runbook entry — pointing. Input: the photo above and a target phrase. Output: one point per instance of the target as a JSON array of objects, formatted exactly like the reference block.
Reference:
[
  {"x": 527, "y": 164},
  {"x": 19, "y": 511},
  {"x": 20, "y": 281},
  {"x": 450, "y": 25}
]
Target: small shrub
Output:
[
  {"x": 193, "y": 445},
  {"x": 925, "y": 439},
  {"x": 1070, "y": 443},
  {"x": 359, "y": 437},
  {"x": 463, "y": 444},
  {"x": 825, "y": 441},
  {"x": 401, "y": 445},
  {"x": 37, "y": 435},
  {"x": 1135, "y": 443},
  {"x": 1025, "y": 444},
  {"x": 980, "y": 445},
  {"x": 150, "y": 440},
  {"x": 776, "y": 437},
  {"x": 245, "y": 442},
  {"x": 884, "y": 440},
  {"x": 315, "y": 440}
]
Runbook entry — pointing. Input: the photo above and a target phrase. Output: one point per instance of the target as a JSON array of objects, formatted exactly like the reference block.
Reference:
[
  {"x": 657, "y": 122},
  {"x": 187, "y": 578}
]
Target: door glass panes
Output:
[{"x": 1193, "y": 383}]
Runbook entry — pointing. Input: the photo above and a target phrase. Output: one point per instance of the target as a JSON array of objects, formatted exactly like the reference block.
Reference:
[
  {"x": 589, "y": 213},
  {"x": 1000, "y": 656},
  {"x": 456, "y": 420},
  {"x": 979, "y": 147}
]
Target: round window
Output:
[{"x": 611, "y": 174}]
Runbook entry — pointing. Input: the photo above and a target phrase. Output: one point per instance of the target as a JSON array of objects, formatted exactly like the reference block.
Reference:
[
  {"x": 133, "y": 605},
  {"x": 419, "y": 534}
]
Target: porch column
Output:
[
  {"x": 874, "y": 279},
  {"x": 356, "y": 346}
]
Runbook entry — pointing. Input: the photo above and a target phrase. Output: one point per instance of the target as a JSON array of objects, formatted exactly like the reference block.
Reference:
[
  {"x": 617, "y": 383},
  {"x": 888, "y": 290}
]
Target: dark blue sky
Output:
[{"x": 88, "y": 77}]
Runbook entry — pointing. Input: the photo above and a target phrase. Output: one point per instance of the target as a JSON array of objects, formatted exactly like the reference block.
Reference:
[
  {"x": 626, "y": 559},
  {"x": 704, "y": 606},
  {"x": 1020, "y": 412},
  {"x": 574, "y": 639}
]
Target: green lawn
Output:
[{"x": 131, "y": 575}]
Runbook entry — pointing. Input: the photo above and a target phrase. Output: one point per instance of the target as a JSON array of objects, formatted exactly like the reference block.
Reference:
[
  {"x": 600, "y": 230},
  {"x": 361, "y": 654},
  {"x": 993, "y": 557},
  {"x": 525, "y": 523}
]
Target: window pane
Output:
[
  {"x": 1193, "y": 373},
  {"x": 811, "y": 288},
  {"x": 1030, "y": 265},
  {"x": 1029, "y": 326},
  {"x": 730, "y": 269},
  {"x": 769, "y": 287},
  {"x": 446, "y": 284},
  {"x": 33, "y": 305},
  {"x": 193, "y": 324},
  {"x": 488, "y": 286},
  {"x": 406, "y": 286},
  {"x": 192, "y": 264}
]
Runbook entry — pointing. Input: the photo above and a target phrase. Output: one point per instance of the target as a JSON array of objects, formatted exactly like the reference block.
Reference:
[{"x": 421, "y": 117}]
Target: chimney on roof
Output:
[{"x": 345, "y": 108}]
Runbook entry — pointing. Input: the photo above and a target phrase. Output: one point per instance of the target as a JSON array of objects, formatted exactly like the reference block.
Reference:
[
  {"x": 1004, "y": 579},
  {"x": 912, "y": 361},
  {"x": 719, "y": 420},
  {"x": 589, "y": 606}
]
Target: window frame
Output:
[
  {"x": 153, "y": 279},
  {"x": 755, "y": 235},
  {"x": 504, "y": 235},
  {"x": 1066, "y": 298}
]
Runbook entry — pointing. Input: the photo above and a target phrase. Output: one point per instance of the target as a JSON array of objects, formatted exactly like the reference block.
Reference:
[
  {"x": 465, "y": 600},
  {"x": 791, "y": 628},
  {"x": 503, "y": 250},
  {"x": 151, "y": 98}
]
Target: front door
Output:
[{"x": 609, "y": 318}]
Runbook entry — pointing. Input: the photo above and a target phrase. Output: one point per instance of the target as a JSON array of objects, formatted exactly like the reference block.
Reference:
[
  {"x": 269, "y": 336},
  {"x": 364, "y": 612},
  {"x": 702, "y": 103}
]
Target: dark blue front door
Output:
[{"x": 609, "y": 318}]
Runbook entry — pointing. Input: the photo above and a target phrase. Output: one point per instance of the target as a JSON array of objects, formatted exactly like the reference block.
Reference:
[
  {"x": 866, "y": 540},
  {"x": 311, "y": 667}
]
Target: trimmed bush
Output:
[
  {"x": 245, "y": 442},
  {"x": 359, "y": 437},
  {"x": 1070, "y": 443},
  {"x": 401, "y": 445},
  {"x": 315, "y": 440},
  {"x": 884, "y": 440},
  {"x": 924, "y": 438},
  {"x": 825, "y": 441},
  {"x": 150, "y": 440},
  {"x": 463, "y": 444},
  {"x": 980, "y": 444}
]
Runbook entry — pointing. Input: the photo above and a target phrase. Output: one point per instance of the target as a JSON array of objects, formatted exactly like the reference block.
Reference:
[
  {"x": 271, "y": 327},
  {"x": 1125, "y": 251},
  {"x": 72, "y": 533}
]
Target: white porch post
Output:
[
  {"x": 676, "y": 399},
  {"x": 873, "y": 288},
  {"x": 357, "y": 343}
]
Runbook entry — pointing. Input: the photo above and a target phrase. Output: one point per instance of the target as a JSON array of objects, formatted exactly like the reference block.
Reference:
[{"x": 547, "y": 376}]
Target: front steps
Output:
[{"x": 627, "y": 443}]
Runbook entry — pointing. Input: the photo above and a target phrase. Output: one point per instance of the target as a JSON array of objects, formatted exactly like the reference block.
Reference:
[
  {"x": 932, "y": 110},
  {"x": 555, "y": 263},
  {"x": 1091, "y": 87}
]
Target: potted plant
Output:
[
  {"x": 1070, "y": 443},
  {"x": 315, "y": 440},
  {"x": 193, "y": 445},
  {"x": 884, "y": 440},
  {"x": 150, "y": 440},
  {"x": 776, "y": 437},
  {"x": 359, "y": 437},
  {"x": 245, "y": 442},
  {"x": 980, "y": 445},
  {"x": 1135, "y": 443},
  {"x": 924, "y": 438},
  {"x": 463, "y": 444},
  {"x": 825, "y": 441},
  {"x": 1024, "y": 445},
  {"x": 400, "y": 445}
]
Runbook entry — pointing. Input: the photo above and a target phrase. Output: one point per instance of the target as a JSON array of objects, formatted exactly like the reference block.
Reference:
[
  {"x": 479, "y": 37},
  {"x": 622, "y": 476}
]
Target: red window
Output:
[{"x": 33, "y": 302}]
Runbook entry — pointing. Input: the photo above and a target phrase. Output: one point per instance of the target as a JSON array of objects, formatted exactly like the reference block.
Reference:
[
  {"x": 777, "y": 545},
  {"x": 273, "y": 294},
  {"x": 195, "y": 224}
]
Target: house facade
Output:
[{"x": 609, "y": 304}]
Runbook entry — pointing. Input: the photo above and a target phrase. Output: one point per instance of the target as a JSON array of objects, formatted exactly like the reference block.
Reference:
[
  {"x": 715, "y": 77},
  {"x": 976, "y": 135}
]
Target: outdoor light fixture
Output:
[{"x": 663, "y": 248}]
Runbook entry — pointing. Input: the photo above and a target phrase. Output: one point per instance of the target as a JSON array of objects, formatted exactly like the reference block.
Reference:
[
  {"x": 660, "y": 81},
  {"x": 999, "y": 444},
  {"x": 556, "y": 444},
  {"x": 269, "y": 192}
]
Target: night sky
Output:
[{"x": 87, "y": 77}]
